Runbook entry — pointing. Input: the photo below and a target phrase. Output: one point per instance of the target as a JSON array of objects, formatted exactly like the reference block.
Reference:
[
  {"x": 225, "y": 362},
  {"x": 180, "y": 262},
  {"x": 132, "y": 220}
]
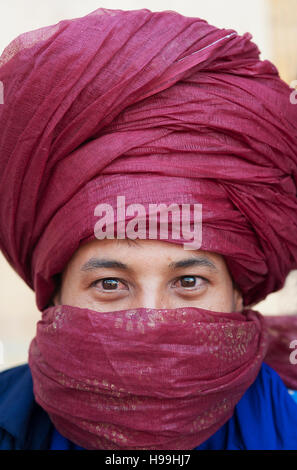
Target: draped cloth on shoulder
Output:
[{"x": 149, "y": 105}]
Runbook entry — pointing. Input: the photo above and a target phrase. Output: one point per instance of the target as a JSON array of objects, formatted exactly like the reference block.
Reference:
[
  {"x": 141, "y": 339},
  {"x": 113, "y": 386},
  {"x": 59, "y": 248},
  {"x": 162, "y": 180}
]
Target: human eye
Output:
[
  {"x": 191, "y": 282},
  {"x": 109, "y": 284}
]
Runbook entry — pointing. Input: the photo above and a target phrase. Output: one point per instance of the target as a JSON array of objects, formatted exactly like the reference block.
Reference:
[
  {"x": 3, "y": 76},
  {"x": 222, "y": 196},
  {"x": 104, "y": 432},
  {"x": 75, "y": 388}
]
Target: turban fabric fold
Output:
[{"x": 158, "y": 107}]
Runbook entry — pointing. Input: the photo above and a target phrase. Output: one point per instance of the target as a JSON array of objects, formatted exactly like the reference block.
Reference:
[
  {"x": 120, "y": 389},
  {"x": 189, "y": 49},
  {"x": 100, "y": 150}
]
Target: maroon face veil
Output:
[{"x": 149, "y": 105}]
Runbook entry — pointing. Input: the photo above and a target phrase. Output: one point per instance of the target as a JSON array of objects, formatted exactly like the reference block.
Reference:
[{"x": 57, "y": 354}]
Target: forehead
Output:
[{"x": 133, "y": 251}]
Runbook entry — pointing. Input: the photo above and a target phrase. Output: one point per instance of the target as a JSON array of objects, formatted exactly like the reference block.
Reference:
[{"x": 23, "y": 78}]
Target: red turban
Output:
[{"x": 158, "y": 107}]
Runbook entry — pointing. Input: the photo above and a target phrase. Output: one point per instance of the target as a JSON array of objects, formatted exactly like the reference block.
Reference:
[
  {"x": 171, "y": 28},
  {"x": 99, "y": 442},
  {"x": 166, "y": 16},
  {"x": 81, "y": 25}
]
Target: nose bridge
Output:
[
  {"x": 153, "y": 294},
  {"x": 154, "y": 302}
]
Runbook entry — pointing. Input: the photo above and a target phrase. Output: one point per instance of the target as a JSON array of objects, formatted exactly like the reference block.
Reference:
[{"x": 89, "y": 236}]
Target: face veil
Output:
[{"x": 144, "y": 378}]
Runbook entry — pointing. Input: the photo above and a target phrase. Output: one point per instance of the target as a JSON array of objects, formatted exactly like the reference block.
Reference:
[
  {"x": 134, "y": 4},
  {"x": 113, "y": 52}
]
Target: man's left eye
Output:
[{"x": 191, "y": 281}]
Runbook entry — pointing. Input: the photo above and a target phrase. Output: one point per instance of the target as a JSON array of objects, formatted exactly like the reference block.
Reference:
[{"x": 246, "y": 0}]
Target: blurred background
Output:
[{"x": 273, "y": 24}]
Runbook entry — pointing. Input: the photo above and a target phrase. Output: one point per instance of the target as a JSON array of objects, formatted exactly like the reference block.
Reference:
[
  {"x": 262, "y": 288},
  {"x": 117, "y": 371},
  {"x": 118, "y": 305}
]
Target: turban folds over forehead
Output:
[{"x": 160, "y": 108}]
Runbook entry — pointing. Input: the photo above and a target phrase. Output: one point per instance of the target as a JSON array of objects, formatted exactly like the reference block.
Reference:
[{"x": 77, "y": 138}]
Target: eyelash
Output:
[{"x": 124, "y": 282}]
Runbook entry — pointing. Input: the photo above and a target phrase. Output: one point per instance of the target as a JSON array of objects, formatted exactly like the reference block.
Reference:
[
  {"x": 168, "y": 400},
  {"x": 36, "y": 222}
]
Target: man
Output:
[{"x": 148, "y": 345}]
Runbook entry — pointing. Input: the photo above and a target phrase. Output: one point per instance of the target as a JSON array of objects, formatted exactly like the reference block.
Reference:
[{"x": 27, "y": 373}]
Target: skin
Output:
[{"x": 148, "y": 280}]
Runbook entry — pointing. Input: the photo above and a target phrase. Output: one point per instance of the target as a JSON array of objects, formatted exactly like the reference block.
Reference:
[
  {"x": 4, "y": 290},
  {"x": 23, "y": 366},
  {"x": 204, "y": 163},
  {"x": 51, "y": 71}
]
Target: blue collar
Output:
[{"x": 21, "y": 418}]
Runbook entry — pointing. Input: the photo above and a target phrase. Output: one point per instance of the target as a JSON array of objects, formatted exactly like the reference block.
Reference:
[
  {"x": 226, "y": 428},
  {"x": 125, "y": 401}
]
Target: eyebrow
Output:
[
  {"x": 95, "y": 263},
  {"x": 194, "y": 261}
]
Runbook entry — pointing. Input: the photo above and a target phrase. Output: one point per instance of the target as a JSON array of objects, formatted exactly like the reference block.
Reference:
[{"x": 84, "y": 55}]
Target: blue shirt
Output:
[{"x": 264, "y": 418}]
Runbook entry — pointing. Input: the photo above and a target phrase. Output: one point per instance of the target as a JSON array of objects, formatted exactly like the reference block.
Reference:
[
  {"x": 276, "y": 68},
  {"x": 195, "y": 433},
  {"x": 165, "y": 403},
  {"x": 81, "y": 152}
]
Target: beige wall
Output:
[
  {"x": 18, "y": 313},
  {"x": 283, "y": 37}
]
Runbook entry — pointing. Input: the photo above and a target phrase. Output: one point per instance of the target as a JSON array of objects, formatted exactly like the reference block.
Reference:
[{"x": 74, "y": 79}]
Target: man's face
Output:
[{"x": 106, "y": 275}]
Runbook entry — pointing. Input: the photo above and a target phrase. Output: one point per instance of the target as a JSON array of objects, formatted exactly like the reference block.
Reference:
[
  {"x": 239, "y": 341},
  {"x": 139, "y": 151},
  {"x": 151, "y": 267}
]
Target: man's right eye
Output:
[{"x": 108, "y": 284}]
